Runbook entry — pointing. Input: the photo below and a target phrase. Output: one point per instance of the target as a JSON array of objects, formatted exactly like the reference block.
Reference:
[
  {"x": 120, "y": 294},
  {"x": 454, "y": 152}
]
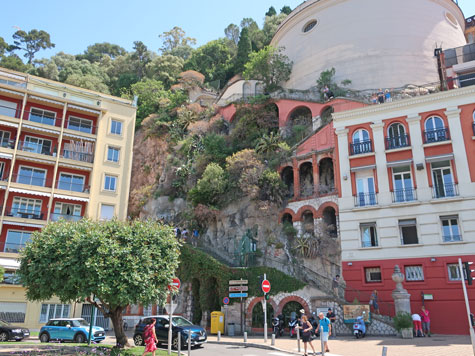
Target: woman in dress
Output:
[
  {"x": 307, "y": 329},
  {"x": 374, "y": 301},
  {"x": 150, "y": 337}
]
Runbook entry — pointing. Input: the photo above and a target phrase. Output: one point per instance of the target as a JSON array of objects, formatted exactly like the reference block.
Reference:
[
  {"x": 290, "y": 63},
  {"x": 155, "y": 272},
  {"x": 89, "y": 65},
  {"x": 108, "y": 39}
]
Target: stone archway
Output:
[
  {"x": 330, "y": 220},
  {"x": 287, "y": 176},
  {"x": 306, "y": 179},
  {"x": 253, "y": 303},
  {"x": 294, "y": 298},
  {"x": 326, "y": 176}
]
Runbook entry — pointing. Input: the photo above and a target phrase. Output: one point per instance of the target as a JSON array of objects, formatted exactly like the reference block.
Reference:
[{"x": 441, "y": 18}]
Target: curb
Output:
[{"x": 260, "y": 346}]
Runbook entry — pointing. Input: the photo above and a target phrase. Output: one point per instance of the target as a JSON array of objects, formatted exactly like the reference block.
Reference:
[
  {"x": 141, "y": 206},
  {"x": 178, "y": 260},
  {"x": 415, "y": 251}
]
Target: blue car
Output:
[{"x": 70, "y": 329}]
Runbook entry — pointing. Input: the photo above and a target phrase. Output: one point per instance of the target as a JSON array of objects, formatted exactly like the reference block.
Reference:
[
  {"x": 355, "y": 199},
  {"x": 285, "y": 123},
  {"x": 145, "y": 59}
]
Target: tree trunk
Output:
[{"x": 118, "y": 323}]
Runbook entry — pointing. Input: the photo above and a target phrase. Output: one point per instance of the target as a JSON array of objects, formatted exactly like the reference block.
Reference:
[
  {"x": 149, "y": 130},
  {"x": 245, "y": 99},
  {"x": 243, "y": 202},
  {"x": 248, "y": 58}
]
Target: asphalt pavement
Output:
[{"x": 233, "y": 350}]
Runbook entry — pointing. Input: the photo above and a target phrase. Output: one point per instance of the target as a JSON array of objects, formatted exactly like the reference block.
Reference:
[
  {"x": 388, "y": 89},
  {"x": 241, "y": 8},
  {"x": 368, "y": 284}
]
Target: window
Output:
[
  {"x": 435, "y": 130},
  {"x": 107, "y": 212},
  {"x": 2, "y": 170},
  {"x": 80, "y": 124},
  {"x": 414, "y": 273},
  {"x": 361, "y": 142},
  {"x": 7, "y": 108},
  {"x": 396, "y": 136},
  {"x": 408, "y": 230},
  {"x": 402, "y": 181},
  {"x": 71, "y": 182},
  {"x": 113, "y": 154},
  {"x": 31, "y": 176},
  {"x": 11, "y": 277},
  {"x": 5, "y": 139},
  {"x": 42, "y": 116},
  {"x": 110, "y": 183},
  {"x": 16, "y": 240},
  {"x": 368, "y": 235},
  {"x": 37, "y": 145},
  {"x": 70, "y": 212},
  {"x": 373, "y": 274},
  {"x": 365, "y": 192},
  {"x": 309, "y": 26},
  {"x": 26, "y": 208},
  {"x": 116, "y": 127},
  {"x": 450, "y": 228},
  {"x": 13, "y": 312},
  {"x": 454, "y": 272},
  {"x": 50, "y": 311},
  {"x": 444, "y": 185}
]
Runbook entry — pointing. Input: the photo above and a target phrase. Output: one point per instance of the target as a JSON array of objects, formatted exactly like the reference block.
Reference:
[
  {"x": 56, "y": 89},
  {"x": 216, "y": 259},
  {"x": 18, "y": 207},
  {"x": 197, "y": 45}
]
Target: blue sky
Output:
[{"x": 73, "y": 25}]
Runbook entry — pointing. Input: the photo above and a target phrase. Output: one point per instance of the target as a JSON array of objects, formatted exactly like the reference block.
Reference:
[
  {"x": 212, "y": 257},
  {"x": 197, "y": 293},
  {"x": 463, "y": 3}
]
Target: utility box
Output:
[{"x": 217, "y": 322}]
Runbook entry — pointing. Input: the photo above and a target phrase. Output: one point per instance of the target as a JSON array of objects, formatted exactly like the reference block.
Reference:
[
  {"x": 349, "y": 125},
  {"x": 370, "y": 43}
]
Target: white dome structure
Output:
[{"x": 374, "y": 43}]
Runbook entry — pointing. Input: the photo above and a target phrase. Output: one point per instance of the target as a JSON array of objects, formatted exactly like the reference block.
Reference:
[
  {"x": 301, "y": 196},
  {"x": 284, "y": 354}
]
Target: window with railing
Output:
[
  {"x": 11, "y": 277},
  {"x": 444, "y": 185},
  {"x": 16, "y": 240},
  {"x": 403, "y": 185},
  {"x": 454, "y": 272},
  {"x": 435, "y": 130},
  {"x": 71, "y": 182},
  {"x": 8, "y": 108},
  {"x": 450, "y": 228},
  {"x": 397, "y": 137},
  {"x": 365, "y": 190},
  {"x": 373, "y": 274},
  {"x": 5, "y": 140},
  {"x": 414, "y": 273},
  {"x": 31, "y": 176},
  {"x": 42, "y": 116},
  {"x": 361, "y": 142},
  {"x": 26, "y": 208},
  {"x": 36, "y": 145},
  {"x": 65, "y": 211},
  {"x": 80, "y": 124}
]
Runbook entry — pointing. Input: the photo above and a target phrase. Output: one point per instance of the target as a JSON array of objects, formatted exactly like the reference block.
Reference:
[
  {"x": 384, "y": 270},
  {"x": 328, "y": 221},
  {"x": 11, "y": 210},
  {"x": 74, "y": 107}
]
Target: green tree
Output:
[
  {"x": 95, "y": 52},
  {"x": 243, "y": 52},
  {"x": 210, "y": 187},
  {"x": 232, "y": 33},
  {"x": 176, "y": 42},
  {"x": 213, "y": 60},
  {"x": 165, "y": 68},
  {"x": 271, "y": 11},
  {"x": 286, "y": 10},
  {"x": 270, "y": 66},
  {"x": 4, "y": 47},
  {"x": 271, "y": 24},
  {"x": 268, "y": 144},
  {"x": 255, "y": 34},
  {"x": 14, "y": 62},
  {"x": 150, "y": 92},
  {"x": 31, "y": 42},
  {"x": 140, "y": 57},
  {"x": 120, "y": 263}
]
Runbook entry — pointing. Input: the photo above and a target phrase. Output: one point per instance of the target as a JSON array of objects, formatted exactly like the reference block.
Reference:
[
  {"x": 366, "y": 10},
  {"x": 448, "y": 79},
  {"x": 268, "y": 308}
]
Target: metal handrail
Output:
[
  {"x": 30, "y": 180},
  {"x": 24, "y": 213},
  {"x": 33, "y": 147},
  {"x": 78, "y": 156},
  {"x": 67, "y": 217},
  {"x": 72, "y": 187},
  {"x": 393, "y": 142},
  {"x": 366, "y": 199},
  {"x": 361, "y": 147},
  {"x": 436, "y": 135},
  {"x": 445, "y": 190},
  {"x": 404, "y": 195}
]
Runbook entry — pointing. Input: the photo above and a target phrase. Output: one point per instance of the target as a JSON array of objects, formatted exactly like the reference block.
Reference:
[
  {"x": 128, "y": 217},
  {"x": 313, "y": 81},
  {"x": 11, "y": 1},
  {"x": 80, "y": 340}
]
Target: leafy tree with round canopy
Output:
[
  {"x": 120, "y": 263},
  {"x": 31, "y": 42},
  {"x": 95, "y": 52},
  {"x": 232, "y": 33}
]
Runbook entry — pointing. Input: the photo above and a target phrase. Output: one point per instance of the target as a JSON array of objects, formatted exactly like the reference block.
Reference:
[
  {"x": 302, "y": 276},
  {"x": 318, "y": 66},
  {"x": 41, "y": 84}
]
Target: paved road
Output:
[{"x": 230, "y": 350}]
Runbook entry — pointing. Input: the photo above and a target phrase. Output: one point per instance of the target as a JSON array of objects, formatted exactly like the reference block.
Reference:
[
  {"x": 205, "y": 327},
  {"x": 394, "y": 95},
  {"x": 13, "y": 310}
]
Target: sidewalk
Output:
[{"x": 438, "y": 345}]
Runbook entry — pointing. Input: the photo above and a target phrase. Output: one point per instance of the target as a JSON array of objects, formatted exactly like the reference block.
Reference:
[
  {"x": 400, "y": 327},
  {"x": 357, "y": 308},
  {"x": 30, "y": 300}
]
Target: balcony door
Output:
[
  {"x": 443, "y": 179},
  {"x": 71, "y": 182},
  {"x": 397, "y": 136},
  {"x": 402, "y": 180},
  {"x": 37, "y": 145},
  {"x": 32, "y": 176},
  {"x": 7, "y": 108},
  {"x": 70, "y": 212},
  {"x": 365, "y": 191}
]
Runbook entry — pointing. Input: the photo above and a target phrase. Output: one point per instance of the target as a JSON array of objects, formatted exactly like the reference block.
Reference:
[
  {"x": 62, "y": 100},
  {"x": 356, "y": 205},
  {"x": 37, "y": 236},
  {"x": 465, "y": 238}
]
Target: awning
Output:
[
  {"x": 41, "y": 129},
  {"x": 446, "y": 157},
  {"x": 9, "y": 263},
  {"x": 68, "y": 197},
  {"x": 399, "y": 163},
  {"x": 84, "y": 109},
  {"x": 32, "y": 192},
  {"x": 79, "y": 137},
  {"x": 11, "y": 92},
  {"x": 14, "y": 223},
  {"x": 31, "y": 159},
  {"x": 75, "y": 167},
  {"x": 6, "y": 123},
  {"x": 46, "y": 100},
  {"x": 6, "y": 155},
  {"x": 363, "y": 168}
]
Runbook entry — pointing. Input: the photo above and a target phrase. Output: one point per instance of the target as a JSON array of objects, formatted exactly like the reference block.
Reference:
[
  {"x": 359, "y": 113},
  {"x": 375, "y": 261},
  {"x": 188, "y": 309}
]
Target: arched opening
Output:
[
  {"x": 326, "y": 176},
  {"x": 308, "y": 222},
  {"x": 291, "y": 311},
  {"x": 270, "y": 119},
  {"x": 258, "y": 315},
  {"x": 435, "y": 130},
  {"x": 299, "y": 124},
  {"x": 329, "y": 218},
  {"x": 287, "y": 177},
  {"x": 246, "y": 89},
  {"x": 196, "y": 312},
  {"x": 396, "y": 136},
  {"x": 211, "y": 295},
  {"x": 326, "y": 115},
  {"x": 287, "y": 219},
  {"x": 306, "y": 179},
  {"x": 259, "y": 88}
]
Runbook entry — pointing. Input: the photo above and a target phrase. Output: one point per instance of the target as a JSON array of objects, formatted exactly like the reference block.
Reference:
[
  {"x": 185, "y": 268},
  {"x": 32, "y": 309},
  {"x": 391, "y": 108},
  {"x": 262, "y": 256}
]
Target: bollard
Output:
[
  {"x": 321, "y": 341},
  {"x": 189, "y": 344},
  {"x": 179, "y": 343},
  {"x": 273, "y": 340},
  {"x": 219, "y": 335},
  {"x": 245, "y": 336},
  {"x": 385, "y": 351},
  {"x": 298, "y": 339}
]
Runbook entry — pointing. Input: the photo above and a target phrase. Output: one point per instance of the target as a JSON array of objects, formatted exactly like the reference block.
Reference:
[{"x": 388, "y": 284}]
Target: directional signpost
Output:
[
  {"x": 174, "y": 286},
  {"x": 266, "y": 289},
  {"x": 239, "y": 286}
]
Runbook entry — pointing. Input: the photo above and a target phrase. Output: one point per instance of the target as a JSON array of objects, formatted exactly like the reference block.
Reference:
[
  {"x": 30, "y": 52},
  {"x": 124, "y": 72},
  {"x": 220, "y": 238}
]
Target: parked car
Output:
[
  {"x": 12, "y": 332},
  {"x": 70, "y": 329},
  {"x": 180, "y": 324}
]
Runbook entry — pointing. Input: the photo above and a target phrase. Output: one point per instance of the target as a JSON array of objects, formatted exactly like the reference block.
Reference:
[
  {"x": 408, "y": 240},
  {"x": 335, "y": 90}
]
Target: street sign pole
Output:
[
  {"x": 467, "y": 305},
  {"x": 242, "y": 326},
  {"x": 170, "y": 315},
  {"x": 265, "y": 314}
]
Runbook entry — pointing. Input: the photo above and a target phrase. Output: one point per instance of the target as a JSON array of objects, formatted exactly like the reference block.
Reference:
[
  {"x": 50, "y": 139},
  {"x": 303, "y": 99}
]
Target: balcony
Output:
[
  {"x": 404, "y": 195},
  {"x": 44, "y": 118},
  {"x": 445, "y": 190},
  {"x": 452, "y": 238},
  {"x": 67, "y": 217},
  {"x": 34, "y": 147},
  {"x": 31, "y": 180},
  {"x": 72, "y": 186},
  {"x": 18, "y": 212},
  {"x": 11, "y": 247},
  {"x": 7, "y": 143},
  {"x": 365, "y": 199},
  {"x": 78, "y": 156},
  {"x": 437, "y": 135},
  {"x": 394, "y": 142},
  {"x": 361, "y": 147}
]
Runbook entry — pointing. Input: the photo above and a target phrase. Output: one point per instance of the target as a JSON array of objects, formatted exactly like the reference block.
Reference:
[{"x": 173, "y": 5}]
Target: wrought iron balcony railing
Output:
[
  {"x": 437, "y": 135},
  {"x": 361, "y": 147},
  {"x": 393, "y": 142}
]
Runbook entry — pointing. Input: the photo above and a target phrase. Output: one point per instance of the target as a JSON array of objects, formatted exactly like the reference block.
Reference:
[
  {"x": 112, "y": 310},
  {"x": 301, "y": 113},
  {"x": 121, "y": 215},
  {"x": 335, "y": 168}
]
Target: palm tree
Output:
[{"x": 268, "y": 143}]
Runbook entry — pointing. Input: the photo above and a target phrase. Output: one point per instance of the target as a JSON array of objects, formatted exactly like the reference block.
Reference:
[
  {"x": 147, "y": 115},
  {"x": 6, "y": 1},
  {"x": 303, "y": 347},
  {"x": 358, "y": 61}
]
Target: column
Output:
[
  {"x": 346, "y": 201},
  {"x": 384, "y": 195},
  {"x": 295, "y": 166},
  {"x": 460, "y": 154},
  {"x": 424, "y": 192},
  {"x": 316, "y": 175}
]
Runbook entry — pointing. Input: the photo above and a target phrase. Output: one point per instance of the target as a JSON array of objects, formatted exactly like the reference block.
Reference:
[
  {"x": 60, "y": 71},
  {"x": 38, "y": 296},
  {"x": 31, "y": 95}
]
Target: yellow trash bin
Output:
[{"x": 217, "y": 322}]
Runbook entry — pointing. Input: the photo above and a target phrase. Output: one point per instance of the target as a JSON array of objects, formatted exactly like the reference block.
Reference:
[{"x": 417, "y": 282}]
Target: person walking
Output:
[
  {"x": 306, "y": 328},
  {"x": 326, "y": 324},
  {"x": 425, "y": 316},
  {"x": 331, "y": 315},
  {"x": 150, "y": 337},
  {"x": 374, "y": 301}
]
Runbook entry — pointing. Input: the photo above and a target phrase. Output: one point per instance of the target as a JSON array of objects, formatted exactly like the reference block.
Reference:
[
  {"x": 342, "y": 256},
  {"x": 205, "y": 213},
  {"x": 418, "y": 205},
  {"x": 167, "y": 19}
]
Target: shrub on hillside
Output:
[{"x": 211, "y": 187}]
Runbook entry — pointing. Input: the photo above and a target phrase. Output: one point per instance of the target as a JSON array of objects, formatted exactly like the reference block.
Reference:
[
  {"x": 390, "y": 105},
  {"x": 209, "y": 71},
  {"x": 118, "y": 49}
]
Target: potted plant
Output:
[{"x": 403, "y": 324}]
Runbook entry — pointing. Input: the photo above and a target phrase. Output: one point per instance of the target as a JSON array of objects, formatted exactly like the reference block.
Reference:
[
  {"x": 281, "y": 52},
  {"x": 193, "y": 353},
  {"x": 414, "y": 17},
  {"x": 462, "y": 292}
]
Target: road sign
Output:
[
  {"x": 238, "y": 288},
  {"x": 174, "y": 285},
  {"x": 237, "y": 295},
  {"x": 170, "y": 308},
  {"x": 238, "y": 282},
  {"x": 265, "y": 286},
  {"x": 225, "y": 300}
]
